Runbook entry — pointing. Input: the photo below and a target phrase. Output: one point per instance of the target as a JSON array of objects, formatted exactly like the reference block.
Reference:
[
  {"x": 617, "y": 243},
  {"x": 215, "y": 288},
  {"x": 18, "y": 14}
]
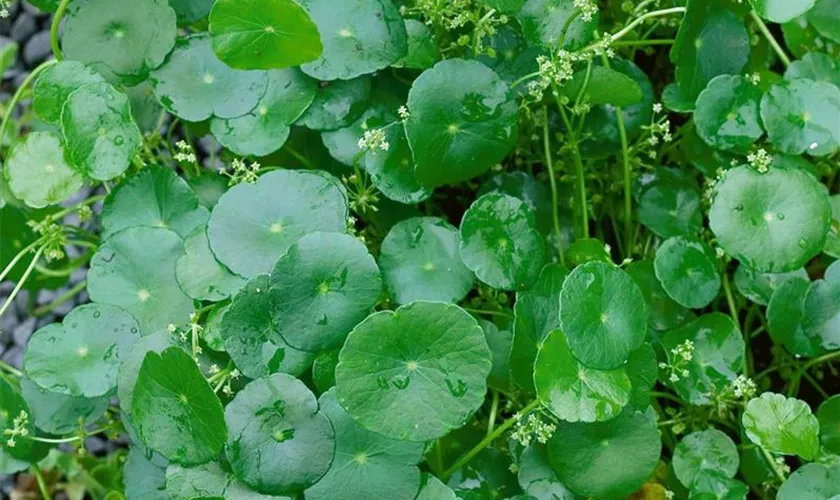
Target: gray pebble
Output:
[
  {"x": 37, "y": 49},
  {"x": 23, "y": 27}
]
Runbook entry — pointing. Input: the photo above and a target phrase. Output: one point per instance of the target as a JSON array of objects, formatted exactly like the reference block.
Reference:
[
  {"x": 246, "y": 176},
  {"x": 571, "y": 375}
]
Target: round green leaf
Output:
[
  {"x": 821, "y": 314},
  {"x": 687, "y": 269},
  {"x": 584, "y": 250},
  {"x": 415, "y": 373},
  {"x": 81, "y": 357},
  {"x": 573, "y": 392},
  {"x": 251, "y": 336},
  {"x": 37, "y": 172},
  {"x": 279, "y": 442},
  {"x": 537, "y": 478},
  {"x": 154, "y": 197},
  {"x": 209, "y": 482},
  {"x": 782, "y": 425},
  {"x": 252, "y": 225},
  {"x": 337, "y": 104},
  {"x": 359, "y": 37},
  {"x": 133, "y": 359},
  {"x": 144, "y": 475},
  {"x": 120, "y": 41},
  {"x": 263, "y": 34},
  {"x": 759, "y": 287},
  {"x": 642, "y": 369},
  {"x": 366, "y": 464},
  {"x": 663, "y": 312},
  {"x": 392, "y": 171},
  {"x": 500, "y": 242},
  {"x": 603, "y": 314},
  {"x": 828, "y": 416},
  {"x": 536, "y": 314},
  {"x": 812, "y": 482},
  {"x": 420, "y": 260},
  {"x": 712, "y": 485},
  {"x": 322, "y": 287},
  {"x": 462, "y": 122},
  {"x": 194, "y": 84},
  {"x": 99, "y": 132},
  {"x": 57, "y": 413},
  {"x": 422, "y": 49},
  {"x": 709, "y": 450},
  {"x": 823, "y": 17},
  {"x": 135, "y": 270},
  {"x": 800, "y": 116},
  {"x": 190, "y": 11},
  {"x": 716, "y": 360},
  {"x": 56, "y": 83},
  {"x": 781, "y": 11},
  {"x": 433, "y": 489},
  {"x": 600, "y": 85},
  {"x": 266, "y": 128},
  {"x": 585, "y": 455},
  {"x": 12, "y": 406},
  {"x": 544, "y": 20},
  {"x": 785, "y": 314},
  {"x": 774, "y": 222},
  {"x": 200, "y": 275},
  {"x": 815, "y": 66},
  {"x": 175, "y": 411},
  {"x": 536, "y": 195},
  {"x": 669, "y": 205},
  {"x": 727, "y": 113}
]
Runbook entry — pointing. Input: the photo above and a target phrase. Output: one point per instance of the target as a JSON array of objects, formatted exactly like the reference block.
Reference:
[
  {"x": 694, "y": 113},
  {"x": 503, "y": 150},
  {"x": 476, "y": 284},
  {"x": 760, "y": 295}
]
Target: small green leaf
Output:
[
  {"x": 12, "y": 407},
  {"x": 194, "y": 84},
  {"x": 125, "y": 43},
  {"x": 322, "y": 287},
  {"x": 279, "y": 442},
  {"x": 499, "y": 339},
  {"x": 823, "y": 17},
  {"x": 337, "y": 104},
  {"x": 422, "y": 49},
  {"x": 323, "y": 370},
  {"x": 251, "y": 336},
  {"x": 420, "y": 260},
  {"x": 133, "y": 359},
  {"x": 759, "y": 287},
  {"x": 727, "y": 113},
  {"x": 708, "y": 450},
  {"x": 200, "y": 275},
  {"x": 135, "y": 270},
  {"x": 781, "y": 11},
  {"x": 366, "y": 464},
  {"x": 643, "y": 369},
  {"x": 536, "y": 195},
  {"x": 774, "y": 222},
  {"x": 57, "y": 413},
  {"x": 584, "y": 455},
  {"x": 812, "y": 481},
  {"x": 500, "y": 242},
  {"x": 175, "y": 411},
  {"x": 82, "y": 356},
  {"x": 191, "y": 11},
  {"x": 544, "y": 20},
  {"x": 344, "y": 144},
  {"x": 37, "y": 172},
  {"x": 144, "y": 475},
  {"x": 584, "y": 250},
  {"x": 603, "y": 314},
  {"x": 254, "y": 224},
  {"x": 265, "y": 129},
  {"x": 462, "y": 122},
  {"x": 815, "y": 66},
  {"x": 669, "y": 204},
  {"x": 56, "y": 83},
  {"x": 433, "y": 489},
  {"x": 828, "y": 416},
  {"x": 821, "y": 314},
  {"x": 359, "y": 37},
  {"x": 663, "y": 312},
  {"x": 603, "y": 86},
  {"x": 392, "y": 171},
  {"x": 537, "y": 478},
  {"x": 209, "y": 482},
  {"x": 785, "y": 315},
  {"x": 782, "y": 425},
  {"x": 573, "y": 392},
  {"x": 687, "y": 269},
  {"x": 415, "y": 373},
  {"x": 263, "y": 34},
  {"x": 800, "y": 116},
  {"x": 99, "y": 132}
]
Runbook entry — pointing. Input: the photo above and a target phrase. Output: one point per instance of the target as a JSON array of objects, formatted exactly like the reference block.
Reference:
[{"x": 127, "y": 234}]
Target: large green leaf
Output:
[
  {"x": 785, "y": 315},
  {"x": 602, "y": 85},
  {"x": 462, "y": 122},
  {"x": 279, "y": 442},
  {"x": 727, "y": 113},
  {"x": 812, "y": 482},
  {"x": 263, "y": 34},
  {"x": 81, "y": 357},
  {"x": 133, "y": 359},
  {"x": 687, "y": 269},
  {"x": 37, "y": 172},
  {"x": 144, "y": 475},
  {"x": 175, "y": 411},
  {"x": 708, "y": 450},
  {"x": 782, "y": 425},
  {"x": 603, "y": 314},
  {"x": 415, "y": 373},
  {"x": 800, "y": 116}
]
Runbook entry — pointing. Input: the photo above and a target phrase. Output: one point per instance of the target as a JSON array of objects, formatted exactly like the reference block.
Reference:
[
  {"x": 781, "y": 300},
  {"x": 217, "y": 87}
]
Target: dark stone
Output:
[
  {"x": 23, "y": 331},
  {"x": 37, "y": 49},
  {"x": 23, "y": 27}
]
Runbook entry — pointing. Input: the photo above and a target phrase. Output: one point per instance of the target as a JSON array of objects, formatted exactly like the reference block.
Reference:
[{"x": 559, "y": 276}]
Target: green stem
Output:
[
  {"x": 555, "y": 201},
  {"x": 494, "y": 408},
  {"x": 772, "y": 464},
  {"x": 628, "y": 196},
  {"x": 69, "y": 294},
  {"x": 42, "y": 485},
  {"x": 639, "y": 20},
  {"x": 565, "y": 29},
  {"x": 19, "y": 256},
  {"x": 19, "y": 95},
  {"x": 56, "y": 22},
  {"x": 670, "y": 397},
  {"x": 501, "y": 314},
  {"x": 75, "y": 208},
  {"x": 69, "y": 439},
  {"x": 524, "y": 79},
  {"x": 642, "y": 43},
  {"x": 11, "y": 369},
  {"x": 733, "y": 312},
  {"x": 579, "y": 175},
  {"x": 21, "y": 281},
  {"x": 816, "y": 385},
  {"x": 770, "y": 38},
  {"x": 299, "y": 157},
  {"x": 507, "y": 424}
]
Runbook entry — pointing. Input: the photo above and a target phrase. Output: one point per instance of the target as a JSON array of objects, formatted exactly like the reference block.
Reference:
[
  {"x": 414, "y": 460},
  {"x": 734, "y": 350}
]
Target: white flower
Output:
[
  {"x": 760, "y": 160},
  {"x": 403, "y": 112},
  {"x": 588, "y": 9},
  {"x": 657, "y": 107},
  {"x": 374, "y": 140}
]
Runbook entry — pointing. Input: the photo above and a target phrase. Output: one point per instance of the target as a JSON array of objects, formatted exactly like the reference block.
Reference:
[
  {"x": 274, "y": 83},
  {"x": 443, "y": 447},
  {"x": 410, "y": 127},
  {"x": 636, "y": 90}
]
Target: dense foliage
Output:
[{"x": 423, "y": 249}]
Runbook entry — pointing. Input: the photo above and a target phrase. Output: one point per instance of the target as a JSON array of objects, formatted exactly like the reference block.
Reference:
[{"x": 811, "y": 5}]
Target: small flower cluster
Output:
[
  {"x": 362, "y": 198},
  {"x": 19, "y": 428},
  {"x": 743, "y": 388},
  {"x": 533, "y": 427},
  {"x": 681, "y": 355},
  {"x": 555, "y": 71},
  {"x": 754, "y": 78},
  {"x": 4, "y": 8},
  {"x": 54, "y": 238},
  {"x": 588, "y": 9},
  {"x": 760, "y": 160},
  {"x": 240, "y": 172},
  {"x": 403, "y": 112},
  {"x": 374, "y": 140},
  {"x": 185, "y": 153}
]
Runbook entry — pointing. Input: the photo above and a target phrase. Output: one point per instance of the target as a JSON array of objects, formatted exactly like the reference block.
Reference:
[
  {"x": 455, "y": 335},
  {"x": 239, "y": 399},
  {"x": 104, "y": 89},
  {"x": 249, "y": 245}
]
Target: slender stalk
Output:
[
  {"x": 69, "y": 294},
  {"x": 770, "y": 38},
  {"x": 494, "y": 408},
  {"x": 69, "y": 439},
  {"x": 42, "y": 485},
  {"x": 507, "y": 424},
  {"x": 524, "y": 79},
  {"x": 628, "y": 196},
  {"x": 670, "y": 397},
  {"x": 501, "y": 314},
  {"x": 21, "y": 281},
  {"x": 639, "y": 20},
  {"x": 75, "y": 208},
  {"x": 555, "y": 201},
  {"x": 19, "y": 256},
  {"x": 733, "y": 312},
  {"x": 642, "y": 43},
  {"x": 579, "y": 175},
  {"x": 56, "y": 22},
  {"x": 11, "y": 369},
  {"x": 19, "y": 95},
  {"x": 772, "y": 464},
  {"x": 815, "y": 384}
]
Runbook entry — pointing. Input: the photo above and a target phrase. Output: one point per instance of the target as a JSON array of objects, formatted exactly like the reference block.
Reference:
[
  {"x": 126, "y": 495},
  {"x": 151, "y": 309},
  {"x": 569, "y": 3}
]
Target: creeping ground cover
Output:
[{"x": 421, "y": 250}]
